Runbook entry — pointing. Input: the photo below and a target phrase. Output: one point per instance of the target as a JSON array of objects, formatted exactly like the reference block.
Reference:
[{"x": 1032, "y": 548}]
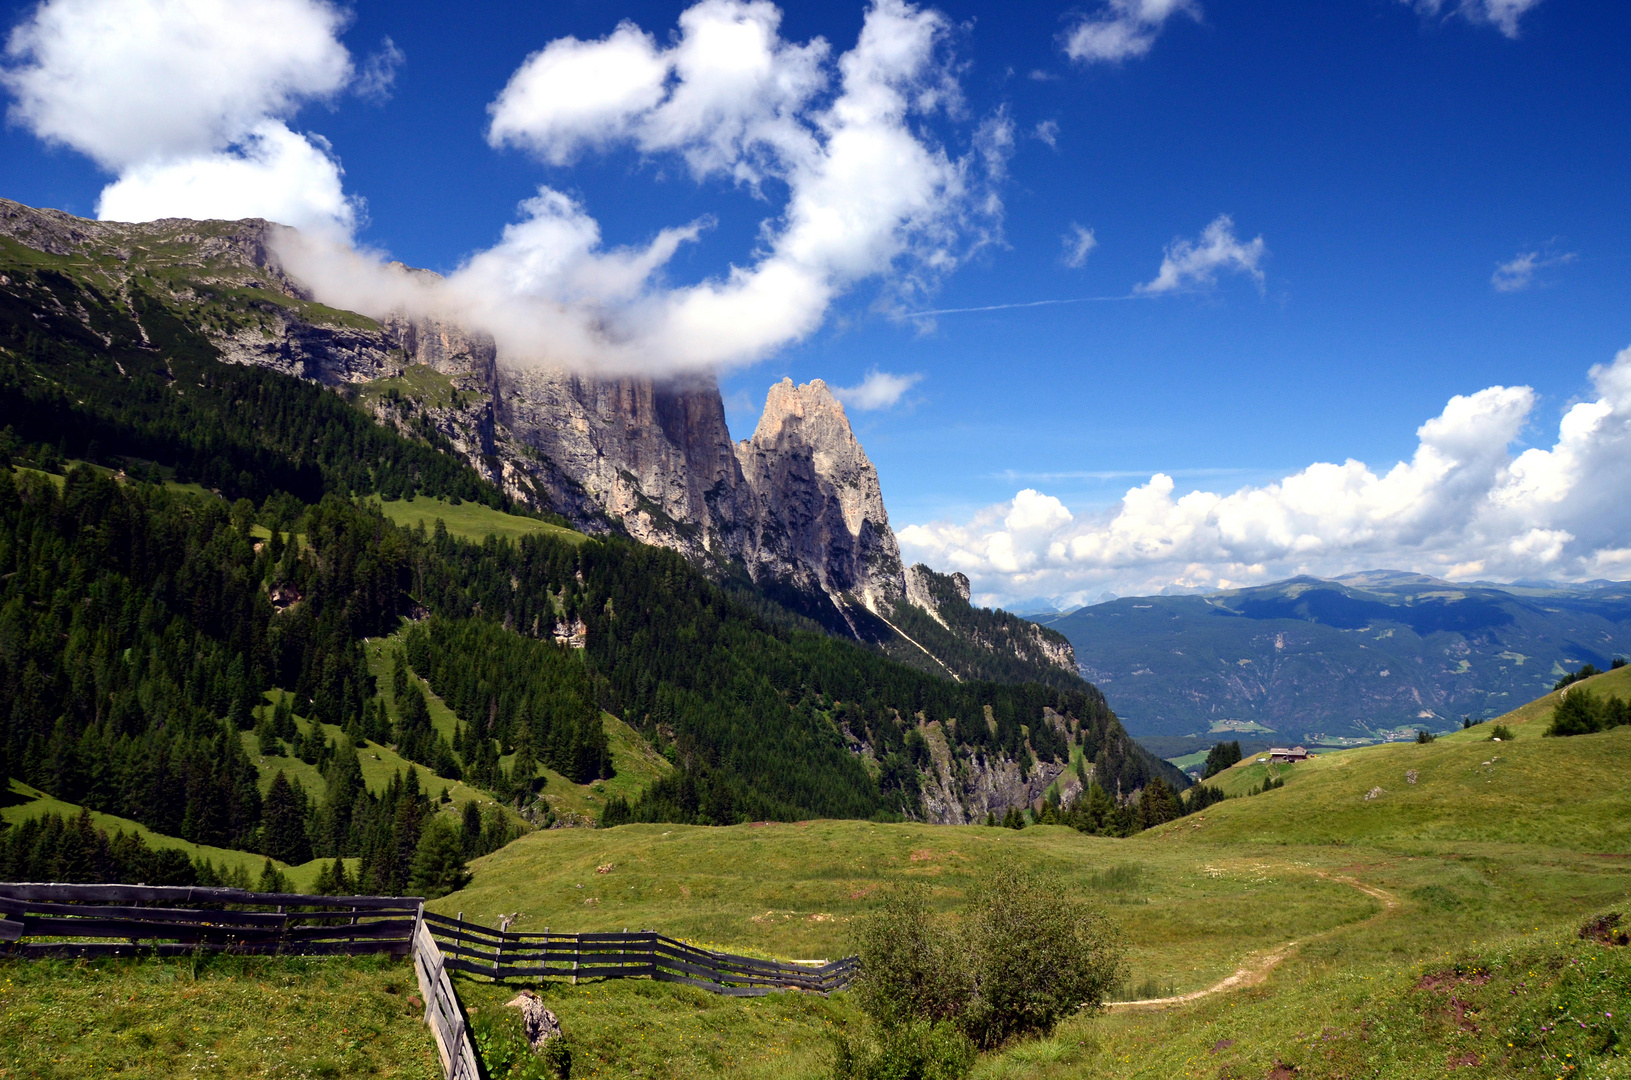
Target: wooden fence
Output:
[
  {"x": 501, "y": 955},
  {"x": 122, "y": 920},
  {"x": 125, "y": 920},
  {"x": 442, "y": 1012}
]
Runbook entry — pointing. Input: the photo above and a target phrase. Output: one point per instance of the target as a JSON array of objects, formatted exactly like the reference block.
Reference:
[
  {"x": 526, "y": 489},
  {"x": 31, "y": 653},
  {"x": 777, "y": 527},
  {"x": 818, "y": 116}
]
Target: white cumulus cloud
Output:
[
  {"x": 1121, "y": 29},
  {"x": 1195, "y": 263},
  {"x": 868, "y": 192},
  {"x": 879, "y": 390},
  {"x": 1502, "y": 14},
  {"x": 1463, "y": 506},
  {"x": 185, "y": 100}
]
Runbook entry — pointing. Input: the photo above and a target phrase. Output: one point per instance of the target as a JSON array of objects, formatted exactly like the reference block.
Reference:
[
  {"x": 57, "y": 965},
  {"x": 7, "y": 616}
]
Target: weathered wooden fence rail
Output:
[
  {"x": 442, "y": 1012},
  {"x": 171, "y": 920},
  {"x": 502, "y": 955},
  {"x": 126, "y": 920}
]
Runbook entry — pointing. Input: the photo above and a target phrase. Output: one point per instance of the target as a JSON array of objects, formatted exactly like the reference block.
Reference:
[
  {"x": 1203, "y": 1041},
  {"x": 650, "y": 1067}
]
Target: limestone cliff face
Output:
[
  {"x": 962, "y": 791},
  {"x": 655, "y": 456},
  {"x": 814, "y": 499}
]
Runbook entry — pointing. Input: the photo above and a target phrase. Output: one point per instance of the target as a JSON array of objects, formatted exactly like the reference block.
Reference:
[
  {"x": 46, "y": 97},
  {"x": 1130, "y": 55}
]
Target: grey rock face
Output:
[
  {"x": 963, "y": 791},
  {"x": 815, "y": 501}
]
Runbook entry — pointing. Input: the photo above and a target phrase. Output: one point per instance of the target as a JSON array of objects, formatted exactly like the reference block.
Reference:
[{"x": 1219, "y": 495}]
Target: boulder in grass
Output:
[{"x": 537, "y": 1022}]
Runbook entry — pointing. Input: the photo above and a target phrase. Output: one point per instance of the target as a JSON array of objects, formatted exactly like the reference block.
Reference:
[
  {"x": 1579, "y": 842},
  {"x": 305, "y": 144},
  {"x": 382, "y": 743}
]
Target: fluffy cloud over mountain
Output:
[
  {"x": 868, "y": 193},
  {"x": 1464, "y": 507}
]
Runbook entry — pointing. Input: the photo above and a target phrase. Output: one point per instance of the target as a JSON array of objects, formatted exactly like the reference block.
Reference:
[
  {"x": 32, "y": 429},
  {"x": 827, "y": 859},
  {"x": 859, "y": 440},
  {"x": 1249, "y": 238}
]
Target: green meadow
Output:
[
  {"x": 470, "y": 521},
  {"x": 1393, "y": 911}
]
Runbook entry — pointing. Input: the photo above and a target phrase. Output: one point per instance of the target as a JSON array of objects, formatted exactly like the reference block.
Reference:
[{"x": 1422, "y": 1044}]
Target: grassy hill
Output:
[
  {"x": 37, "y": 804},
  {"x": 470, "y": 520}
]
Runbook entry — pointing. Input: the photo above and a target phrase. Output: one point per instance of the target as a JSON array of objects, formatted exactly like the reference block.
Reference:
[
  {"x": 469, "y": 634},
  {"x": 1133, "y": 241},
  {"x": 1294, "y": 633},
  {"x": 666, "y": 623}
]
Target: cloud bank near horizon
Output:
[{"x": 1464, "y": 507}]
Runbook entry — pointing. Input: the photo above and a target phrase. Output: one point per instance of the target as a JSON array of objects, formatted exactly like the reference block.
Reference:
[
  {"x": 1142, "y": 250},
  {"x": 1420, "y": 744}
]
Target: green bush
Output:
[
  {"x": 1024, "y": 955},
  {"x": 911, "y": 1051},
  {"x": 1501, "y": 732},
  {"x": 911, "y": 965},
  {"x": 1036, "y": 955},
  {"x": 505, "y": 1054}
]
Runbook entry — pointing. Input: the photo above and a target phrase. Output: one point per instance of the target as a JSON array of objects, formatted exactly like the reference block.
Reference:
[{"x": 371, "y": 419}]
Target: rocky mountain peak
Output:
[{"x": 817, "y": 495}]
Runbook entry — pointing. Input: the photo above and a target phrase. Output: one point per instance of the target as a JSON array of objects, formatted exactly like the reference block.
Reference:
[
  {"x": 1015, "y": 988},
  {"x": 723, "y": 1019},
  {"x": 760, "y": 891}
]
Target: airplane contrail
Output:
[{"x": 1024, "y": 304}]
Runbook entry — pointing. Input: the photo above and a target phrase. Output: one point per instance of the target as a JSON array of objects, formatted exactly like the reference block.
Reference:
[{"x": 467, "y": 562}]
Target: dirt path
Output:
[{"x": 1256, "y": 970}]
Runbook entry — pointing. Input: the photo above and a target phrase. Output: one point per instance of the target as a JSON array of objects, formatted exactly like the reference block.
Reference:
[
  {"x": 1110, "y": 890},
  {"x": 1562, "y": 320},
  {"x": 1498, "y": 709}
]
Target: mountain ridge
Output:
[
  {"x": 1364, "y": 656},
  {"x": 796, "y": 510}
]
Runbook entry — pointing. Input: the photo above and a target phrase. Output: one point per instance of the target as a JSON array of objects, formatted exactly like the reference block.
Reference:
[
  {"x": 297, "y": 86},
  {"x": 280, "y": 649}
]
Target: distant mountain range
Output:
[{"x": 1363, "y": 656}]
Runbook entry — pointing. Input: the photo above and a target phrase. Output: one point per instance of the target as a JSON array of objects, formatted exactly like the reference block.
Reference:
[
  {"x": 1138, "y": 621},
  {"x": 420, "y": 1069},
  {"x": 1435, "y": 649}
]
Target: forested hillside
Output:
[{"x": 214, "y": 553}]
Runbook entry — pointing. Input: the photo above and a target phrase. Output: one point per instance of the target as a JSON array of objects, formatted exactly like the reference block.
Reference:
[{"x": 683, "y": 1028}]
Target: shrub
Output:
[
  {"x": 1035, "y": 956},
  {"x": 1026, "y": 955},
  {"x": 912, "y": 1051},
  {"x": 910, "y": 964},
  {"x": 1424, "y": 736},
  {"x": 1500, "y": 732}
]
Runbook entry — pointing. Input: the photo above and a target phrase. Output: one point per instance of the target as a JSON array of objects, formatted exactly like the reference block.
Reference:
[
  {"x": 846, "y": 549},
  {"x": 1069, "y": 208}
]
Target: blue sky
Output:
[{"x": 1390, "y": 156}]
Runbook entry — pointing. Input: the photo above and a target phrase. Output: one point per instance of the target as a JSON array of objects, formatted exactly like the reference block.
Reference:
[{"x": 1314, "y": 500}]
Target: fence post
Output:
[
  {"x": 458, "y": 942},
  {"x": 577, "y": 947},
  {"x": 498, "y": 957}
]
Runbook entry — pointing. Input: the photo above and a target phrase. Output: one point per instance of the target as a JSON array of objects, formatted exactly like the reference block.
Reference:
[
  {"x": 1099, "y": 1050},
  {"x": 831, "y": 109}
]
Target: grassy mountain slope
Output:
[
  {"x": 1354, "y": 657},
  {"x": 1527, "y": 791},
  {"x": 1429, "y": 930},
  {"x": 34, "y": 803}
]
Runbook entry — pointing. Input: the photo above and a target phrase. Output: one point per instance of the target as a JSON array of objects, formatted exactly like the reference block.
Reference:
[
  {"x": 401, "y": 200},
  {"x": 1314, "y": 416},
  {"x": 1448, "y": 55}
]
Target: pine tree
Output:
[
  {"x": 273, "y": 880},
  {"x": 438, "y": 864},
  {"x": 332, "y": 880},
  {"x": 470, "y": 830},
  {"x": 1156, "y": 806},
  {"x": 284, "y": 822}
]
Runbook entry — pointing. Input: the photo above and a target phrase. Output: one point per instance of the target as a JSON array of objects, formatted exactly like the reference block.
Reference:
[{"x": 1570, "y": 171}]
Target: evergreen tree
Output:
[
  {"x": 332, "y": 880},
  {"x": 438, "y": 863},
  {"x": 1157, "y": 805},
  {"x": 470, "y": 829},
  {"x": 273, "y": 880},
  {"x": 1221, "y": 757},
  {"x": 284, "y": 815}
]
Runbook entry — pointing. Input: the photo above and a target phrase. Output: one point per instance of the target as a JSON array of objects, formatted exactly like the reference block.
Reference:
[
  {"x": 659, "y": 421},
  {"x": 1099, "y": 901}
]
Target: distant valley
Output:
[{"x": 1362, "y": 657}]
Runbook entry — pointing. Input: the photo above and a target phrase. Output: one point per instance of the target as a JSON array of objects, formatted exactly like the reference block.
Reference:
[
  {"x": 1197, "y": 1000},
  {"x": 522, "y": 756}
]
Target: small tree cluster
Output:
[
  {"x": 1583, "y": 713},
  {"x": 1025, "y": 955},
  {"x": 1221, "y": 757},
  {"x": 1586, "y": 671}
]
